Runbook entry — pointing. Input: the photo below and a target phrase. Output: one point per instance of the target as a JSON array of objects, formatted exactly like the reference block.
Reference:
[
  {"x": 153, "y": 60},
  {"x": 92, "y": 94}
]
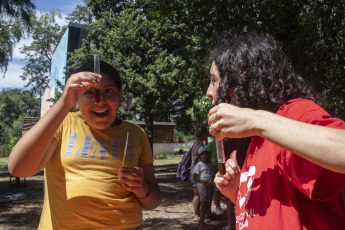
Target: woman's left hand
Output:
[
  {"x": 228, "y": 184},
  {"x": 133, "y": 179}
]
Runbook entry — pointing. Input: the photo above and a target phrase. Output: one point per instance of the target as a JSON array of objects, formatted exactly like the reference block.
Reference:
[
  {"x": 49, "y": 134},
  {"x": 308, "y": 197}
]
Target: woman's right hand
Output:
[
  {"x": 226, "y": 120},
  {"x": 228, "y": 184},
  {"x": 76, "y": 86}
]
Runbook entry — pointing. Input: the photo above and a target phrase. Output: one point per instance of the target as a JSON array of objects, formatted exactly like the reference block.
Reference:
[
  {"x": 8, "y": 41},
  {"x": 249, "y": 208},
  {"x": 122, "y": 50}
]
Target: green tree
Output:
[
  {"x": 14, "y": 23},
  {"x": 46, "y": 34},
  {"x": 145, "y": 52},
  {"x": 312, "y": 33},
  {"x": 14, "y": 105},
  {"x": 81, "y": 15}
]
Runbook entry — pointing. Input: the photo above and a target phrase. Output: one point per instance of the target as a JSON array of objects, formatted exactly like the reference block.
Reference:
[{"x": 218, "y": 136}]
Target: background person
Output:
[
  {"x": 216, "y": 194},
  {"x": 203, "y": 175},
  {"x": 201, "y": 136}
]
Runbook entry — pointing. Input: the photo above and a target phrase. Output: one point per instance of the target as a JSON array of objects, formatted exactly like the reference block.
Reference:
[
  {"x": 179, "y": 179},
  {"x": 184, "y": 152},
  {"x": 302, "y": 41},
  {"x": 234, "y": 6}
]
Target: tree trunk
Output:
[{"x": 149, "y": 118}]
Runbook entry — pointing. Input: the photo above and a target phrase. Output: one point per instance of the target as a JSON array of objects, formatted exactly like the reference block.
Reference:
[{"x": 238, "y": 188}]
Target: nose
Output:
[
  {"x": 98, "y": 96},
  {"x": 210, "y": 93}
]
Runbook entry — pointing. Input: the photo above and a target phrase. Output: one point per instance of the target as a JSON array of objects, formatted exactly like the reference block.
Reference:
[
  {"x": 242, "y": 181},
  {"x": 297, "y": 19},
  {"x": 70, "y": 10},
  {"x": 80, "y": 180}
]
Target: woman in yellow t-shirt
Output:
[{"x": 98, "y": 169}]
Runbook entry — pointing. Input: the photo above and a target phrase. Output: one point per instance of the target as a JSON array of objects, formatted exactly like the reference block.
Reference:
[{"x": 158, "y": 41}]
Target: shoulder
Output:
[
  {"x": 74, "y": 115},
  {"x": 309, "y": 112},
  {"x": 297, "y": 106},
  {"x": 199, "y": 164},
  {"x": 74, "y": 118}
]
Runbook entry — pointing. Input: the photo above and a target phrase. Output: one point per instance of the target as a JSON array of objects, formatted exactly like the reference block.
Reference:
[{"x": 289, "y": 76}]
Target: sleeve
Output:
[
  {"x": 314, "y": 181},
  {"x": 197, "y": 169},
  {"x": 58, "y": 133},
  {"x": 146, "y": 156}
]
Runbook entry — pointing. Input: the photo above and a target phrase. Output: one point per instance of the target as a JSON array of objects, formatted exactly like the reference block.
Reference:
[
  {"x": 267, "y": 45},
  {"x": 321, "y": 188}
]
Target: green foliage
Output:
[
  {"x": 14, "y": 23},
  {"x": 13, "y": 141},
  {"x": 81, "y": 15},
  {"x": 14, "y": 105},
  {"x": 312, "y": 33},
  {"x": 46, "y": 34},
  {"x": 200, "y": 109},
  {"x": 160, "y": 48},
  {"x": 147, "y": 53}
]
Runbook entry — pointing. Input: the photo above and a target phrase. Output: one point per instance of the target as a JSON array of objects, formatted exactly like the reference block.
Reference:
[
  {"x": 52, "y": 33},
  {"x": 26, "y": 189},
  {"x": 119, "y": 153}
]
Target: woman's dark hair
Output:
[
  {"x": 260, "y": 73},
  {"x": 105, "y": 68}
]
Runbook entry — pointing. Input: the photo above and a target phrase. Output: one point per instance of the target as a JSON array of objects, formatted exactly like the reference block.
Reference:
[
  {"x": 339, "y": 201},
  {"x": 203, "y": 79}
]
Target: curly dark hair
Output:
[{"x": 260, "y": 73}]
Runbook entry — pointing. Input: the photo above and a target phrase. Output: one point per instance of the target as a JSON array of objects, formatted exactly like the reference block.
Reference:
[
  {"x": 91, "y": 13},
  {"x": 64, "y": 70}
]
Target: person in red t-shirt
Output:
[{"x": 285, "y": 182}]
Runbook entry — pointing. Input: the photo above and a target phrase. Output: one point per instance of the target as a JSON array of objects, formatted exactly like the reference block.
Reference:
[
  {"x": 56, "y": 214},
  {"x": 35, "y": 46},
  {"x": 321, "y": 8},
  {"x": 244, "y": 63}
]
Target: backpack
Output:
[{"x": 183, "y": 167}]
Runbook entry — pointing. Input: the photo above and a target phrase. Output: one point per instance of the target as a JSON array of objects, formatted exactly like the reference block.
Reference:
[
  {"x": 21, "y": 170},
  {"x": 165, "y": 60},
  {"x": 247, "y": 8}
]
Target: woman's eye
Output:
[
  {"x": 109, "y": 91},
  {"x": 89, "y": 92}
]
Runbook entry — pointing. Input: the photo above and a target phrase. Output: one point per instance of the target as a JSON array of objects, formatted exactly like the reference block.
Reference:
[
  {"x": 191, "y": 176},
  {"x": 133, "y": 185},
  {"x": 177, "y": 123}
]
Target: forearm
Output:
[
  {"x": 321, "y": 145},
  {"x": 150, "y": 196},
  {"x": 27, "y": 155}
]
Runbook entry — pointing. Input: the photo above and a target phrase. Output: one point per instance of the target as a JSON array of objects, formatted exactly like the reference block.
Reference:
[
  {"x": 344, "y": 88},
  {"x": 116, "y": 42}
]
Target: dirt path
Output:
[{"x": 175, "y": 212}]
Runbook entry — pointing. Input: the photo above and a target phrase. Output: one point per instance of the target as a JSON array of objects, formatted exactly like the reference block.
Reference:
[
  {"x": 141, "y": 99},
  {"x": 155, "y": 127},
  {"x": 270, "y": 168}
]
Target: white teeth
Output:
[{"x": 101, "y": 111}]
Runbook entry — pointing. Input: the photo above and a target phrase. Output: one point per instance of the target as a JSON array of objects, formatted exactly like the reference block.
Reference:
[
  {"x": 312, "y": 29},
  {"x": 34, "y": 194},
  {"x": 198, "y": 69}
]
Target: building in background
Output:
[{"x": 72, "y": 39}]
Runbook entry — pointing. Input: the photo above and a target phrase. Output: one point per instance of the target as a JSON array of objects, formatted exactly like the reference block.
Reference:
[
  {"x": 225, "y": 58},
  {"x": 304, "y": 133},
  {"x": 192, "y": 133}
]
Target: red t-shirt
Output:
[{"x": 280, "y": 190}]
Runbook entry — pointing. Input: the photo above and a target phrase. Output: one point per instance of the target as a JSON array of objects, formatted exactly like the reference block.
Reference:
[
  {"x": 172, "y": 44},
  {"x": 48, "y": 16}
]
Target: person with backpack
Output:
[{"x": 201, "y": 134}]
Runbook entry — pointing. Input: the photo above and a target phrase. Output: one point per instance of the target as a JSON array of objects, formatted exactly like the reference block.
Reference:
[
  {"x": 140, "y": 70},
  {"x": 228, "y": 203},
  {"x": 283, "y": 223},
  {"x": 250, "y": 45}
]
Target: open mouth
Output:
[{"x": 101, "y": 113}]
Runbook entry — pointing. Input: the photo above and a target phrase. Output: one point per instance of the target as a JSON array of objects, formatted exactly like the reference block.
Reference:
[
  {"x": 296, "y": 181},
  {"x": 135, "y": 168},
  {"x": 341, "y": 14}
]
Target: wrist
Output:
[
  {"x": 142, "y": 197},
  {"x": 261, "y": 120}
]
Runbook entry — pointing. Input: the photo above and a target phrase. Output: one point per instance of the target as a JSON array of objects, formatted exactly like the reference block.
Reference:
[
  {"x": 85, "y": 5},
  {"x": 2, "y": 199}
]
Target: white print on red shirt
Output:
[{"x": 245, "y": 177}]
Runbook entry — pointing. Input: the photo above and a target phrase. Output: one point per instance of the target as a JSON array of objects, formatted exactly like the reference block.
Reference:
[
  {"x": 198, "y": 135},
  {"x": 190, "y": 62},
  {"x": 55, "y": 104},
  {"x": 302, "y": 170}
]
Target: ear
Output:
[{"x": 77, "y": 106}]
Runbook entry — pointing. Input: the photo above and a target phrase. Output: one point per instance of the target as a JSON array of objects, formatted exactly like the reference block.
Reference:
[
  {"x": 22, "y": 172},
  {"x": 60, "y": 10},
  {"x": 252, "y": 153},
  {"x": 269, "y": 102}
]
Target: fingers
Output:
[
  {"x": 132, "y": 177},
  {"x": 84, "y": 79},
  {"x": 220, "y": 180},
  {"x": 215, "y": 130},
  {"x": 231, "y": 165},
  {"x": 233, "y": 155},
  {"x": 215, "y": 121}
]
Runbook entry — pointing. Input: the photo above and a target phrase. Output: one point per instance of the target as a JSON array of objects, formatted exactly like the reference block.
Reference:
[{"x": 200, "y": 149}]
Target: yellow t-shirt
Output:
[{"x": 82, "y": 188}]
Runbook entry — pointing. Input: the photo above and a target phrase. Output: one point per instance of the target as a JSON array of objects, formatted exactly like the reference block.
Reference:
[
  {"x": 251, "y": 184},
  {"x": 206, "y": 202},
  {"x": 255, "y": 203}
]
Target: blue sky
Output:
[{"x": 12, "y": 79}]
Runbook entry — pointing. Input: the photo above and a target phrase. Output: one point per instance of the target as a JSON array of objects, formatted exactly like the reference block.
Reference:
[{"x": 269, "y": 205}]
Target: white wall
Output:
[{"x": 163, "y": 148}]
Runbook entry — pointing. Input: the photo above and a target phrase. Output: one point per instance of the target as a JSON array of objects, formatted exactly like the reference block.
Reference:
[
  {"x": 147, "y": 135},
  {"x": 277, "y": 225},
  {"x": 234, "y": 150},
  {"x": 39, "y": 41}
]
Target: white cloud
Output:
[
  {"x": 14, "y": 69},
  {"x": 12, "y": 79}
]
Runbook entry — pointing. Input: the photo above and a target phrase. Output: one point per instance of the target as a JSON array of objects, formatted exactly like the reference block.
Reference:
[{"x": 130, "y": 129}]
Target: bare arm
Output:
[
  {"x": 321, "y": 145},
  {"x": 36, "y": 147}
]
